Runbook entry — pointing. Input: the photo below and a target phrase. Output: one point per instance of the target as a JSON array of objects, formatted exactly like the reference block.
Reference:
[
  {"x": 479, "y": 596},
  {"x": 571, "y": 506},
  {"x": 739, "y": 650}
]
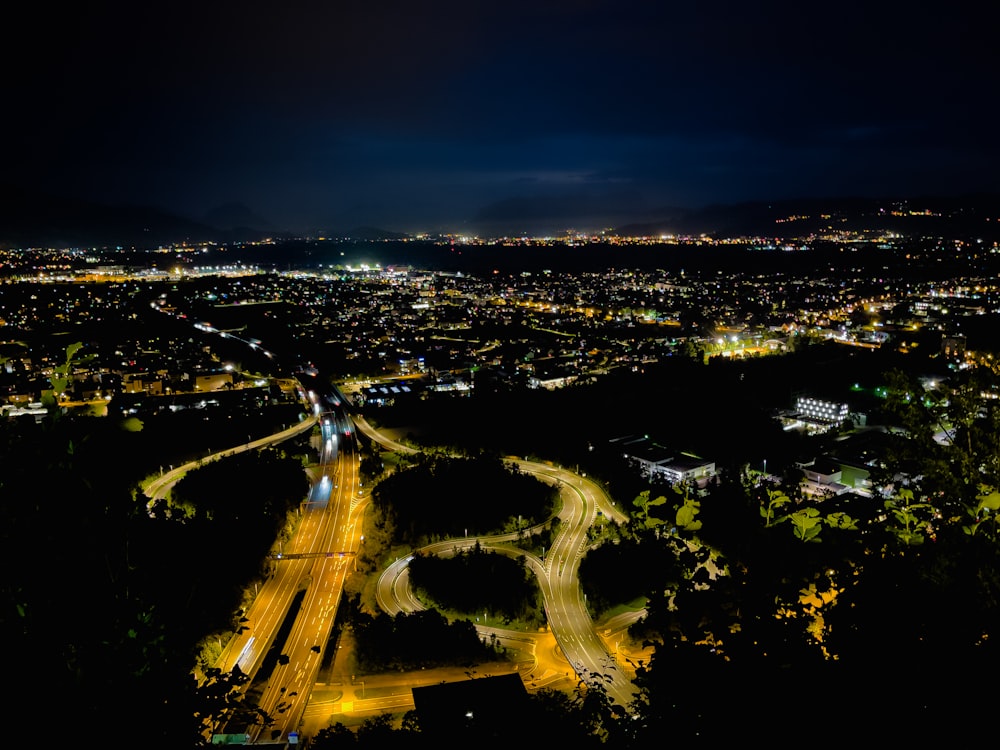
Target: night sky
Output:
[{"x": 452, "y": 116}]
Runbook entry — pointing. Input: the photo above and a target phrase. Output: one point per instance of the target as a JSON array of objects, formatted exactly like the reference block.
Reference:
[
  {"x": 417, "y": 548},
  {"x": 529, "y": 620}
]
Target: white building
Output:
[
  {"x": 676, "y": 467},
  {"x": 824, "y": 412}
]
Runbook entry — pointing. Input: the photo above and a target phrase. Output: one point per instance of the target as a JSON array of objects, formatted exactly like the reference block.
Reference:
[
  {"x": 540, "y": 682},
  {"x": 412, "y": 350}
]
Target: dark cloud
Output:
[{"x": 412, "y": 116}]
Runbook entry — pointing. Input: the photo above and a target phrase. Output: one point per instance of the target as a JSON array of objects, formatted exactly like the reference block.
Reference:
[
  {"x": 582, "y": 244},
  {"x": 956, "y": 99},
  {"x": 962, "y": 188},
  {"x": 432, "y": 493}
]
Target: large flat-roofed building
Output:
[
  {"x": 688, "y": 468},
  {"x": 818, "y": 410},
  {"x": 655, "y": 460},
  {"x": 480, "y": 709}
]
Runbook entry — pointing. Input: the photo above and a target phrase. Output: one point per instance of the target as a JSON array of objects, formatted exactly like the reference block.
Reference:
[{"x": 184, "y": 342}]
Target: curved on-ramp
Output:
[{"x": 565, "y": 606}]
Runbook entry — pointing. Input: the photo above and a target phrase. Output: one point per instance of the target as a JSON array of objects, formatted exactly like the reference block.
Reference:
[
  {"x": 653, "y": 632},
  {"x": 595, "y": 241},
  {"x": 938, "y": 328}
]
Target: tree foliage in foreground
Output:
[
  {"x": 903, "y": 606},
  {"x": 444, "y": 497},
  {"x": 245, "y": 491},
  {"x": 783, "y": 618},
  {"x": 76, "y": 603},
  {"x": 419, "y": 640},
  {"x": 456, "y": 583},
  {"x": 582, "y": 718}
]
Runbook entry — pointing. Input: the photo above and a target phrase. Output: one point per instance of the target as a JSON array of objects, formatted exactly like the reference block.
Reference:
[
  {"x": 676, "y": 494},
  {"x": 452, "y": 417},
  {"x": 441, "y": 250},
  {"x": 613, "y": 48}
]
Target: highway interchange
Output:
[
  {"x": 565, "y": 607},
  {"x": 317, "y": 560}
]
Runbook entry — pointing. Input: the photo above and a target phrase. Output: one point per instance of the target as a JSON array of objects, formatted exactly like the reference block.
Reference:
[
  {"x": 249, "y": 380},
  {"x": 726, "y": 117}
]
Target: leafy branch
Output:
[
  {"x": 908, "y": 523},
  {"x": 984, "y": 511},
  {"x": 775, "y": 500},
  {"x": 61, "y": 375},
  {"x": 687, "y": 510}
]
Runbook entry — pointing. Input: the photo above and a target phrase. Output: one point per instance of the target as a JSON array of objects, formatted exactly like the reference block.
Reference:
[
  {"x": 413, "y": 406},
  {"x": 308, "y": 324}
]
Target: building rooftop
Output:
[{"x": 481, "y": 707}]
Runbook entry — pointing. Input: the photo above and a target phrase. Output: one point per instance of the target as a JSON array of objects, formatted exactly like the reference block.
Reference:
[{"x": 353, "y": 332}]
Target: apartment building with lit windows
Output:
[{"x": 818, "y": 410}]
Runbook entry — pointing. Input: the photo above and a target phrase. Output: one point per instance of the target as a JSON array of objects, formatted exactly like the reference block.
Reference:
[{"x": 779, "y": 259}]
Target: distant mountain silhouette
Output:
[
  {"x": 969, "y": 216},
  {"x": 557, "y": 215},
  {"x": 32, "y": 219},
  {"x": 373, "y": 233},
  {"x": 972, "y": 215},
  {"x": 235, "y": 216}
]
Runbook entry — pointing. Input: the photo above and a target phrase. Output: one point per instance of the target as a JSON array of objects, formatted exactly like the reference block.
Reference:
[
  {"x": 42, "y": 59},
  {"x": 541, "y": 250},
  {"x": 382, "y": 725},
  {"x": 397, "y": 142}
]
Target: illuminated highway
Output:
[
  {"x": 565, "y": 607},
  {"x": 316, "y": 560},
  {"x": 330, "y": 537},
  {"x": 321, "y": 555}
]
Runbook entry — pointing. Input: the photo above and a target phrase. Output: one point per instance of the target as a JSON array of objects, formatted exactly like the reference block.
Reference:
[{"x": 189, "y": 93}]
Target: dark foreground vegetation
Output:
[
  {"x": 442, "y": 497},
  {"x": 775, "y": 616},
  {"x": 455, "y": 583},
  {"x": 778, "y": 614},
  {"x": 417, "y": 641},
  {"x": 109, "y": 603}
]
